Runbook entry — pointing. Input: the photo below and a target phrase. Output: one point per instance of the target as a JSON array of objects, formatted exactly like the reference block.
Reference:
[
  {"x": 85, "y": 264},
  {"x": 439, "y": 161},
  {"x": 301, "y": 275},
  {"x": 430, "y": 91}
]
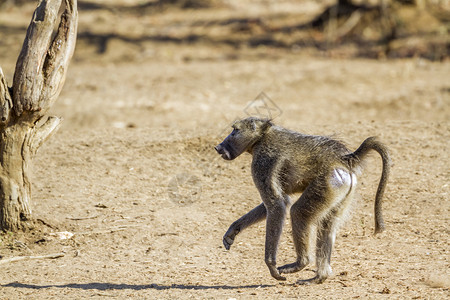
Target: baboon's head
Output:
[{"x": 245, "y": 134}]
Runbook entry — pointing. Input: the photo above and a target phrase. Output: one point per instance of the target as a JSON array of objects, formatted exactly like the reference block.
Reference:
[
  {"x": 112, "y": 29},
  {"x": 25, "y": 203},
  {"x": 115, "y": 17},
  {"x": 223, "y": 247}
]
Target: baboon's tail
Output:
[{"x": 356, "y": 157}]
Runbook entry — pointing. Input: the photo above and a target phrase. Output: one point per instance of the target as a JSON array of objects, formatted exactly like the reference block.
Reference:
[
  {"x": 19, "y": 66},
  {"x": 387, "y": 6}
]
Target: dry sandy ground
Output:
[{"x": 132, "y": 173}]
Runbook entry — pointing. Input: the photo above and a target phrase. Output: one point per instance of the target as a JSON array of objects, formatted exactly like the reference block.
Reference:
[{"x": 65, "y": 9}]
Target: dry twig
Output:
[{"x": 19, "y": 258}]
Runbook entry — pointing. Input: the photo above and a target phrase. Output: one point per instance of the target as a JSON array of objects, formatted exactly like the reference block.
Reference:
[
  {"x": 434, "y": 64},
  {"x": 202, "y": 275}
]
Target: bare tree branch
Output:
[
  {"x": 42, "y": 64},
  {"x": 28, "y": 77},
  {"x": 5, "y": 100},
  {"x": 59, "y": 55},
  {"x": 44, "y": 132}
]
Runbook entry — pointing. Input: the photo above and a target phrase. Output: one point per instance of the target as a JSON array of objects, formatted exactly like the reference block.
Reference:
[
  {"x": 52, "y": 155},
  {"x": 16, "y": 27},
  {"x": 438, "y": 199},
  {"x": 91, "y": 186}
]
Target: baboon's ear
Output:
[
  {"x": 253, "y": 124},
  {"x": 261, "y": 124},
  {"x": 267, "y": 123}
]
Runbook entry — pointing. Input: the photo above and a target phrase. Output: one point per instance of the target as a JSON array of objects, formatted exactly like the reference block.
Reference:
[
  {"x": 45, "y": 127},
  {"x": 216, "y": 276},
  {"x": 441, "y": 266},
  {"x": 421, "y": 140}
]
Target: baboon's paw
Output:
[
  {"x": 290, "y": 268},
  {"x": 227, "y": 242},
  {"x": 314, "y": 280},
  {"x": 275, "y": 274}
]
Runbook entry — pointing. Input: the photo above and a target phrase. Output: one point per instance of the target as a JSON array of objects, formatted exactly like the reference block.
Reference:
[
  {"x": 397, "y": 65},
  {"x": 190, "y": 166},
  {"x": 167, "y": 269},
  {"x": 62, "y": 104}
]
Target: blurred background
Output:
[{"x": 179, "y": 63}]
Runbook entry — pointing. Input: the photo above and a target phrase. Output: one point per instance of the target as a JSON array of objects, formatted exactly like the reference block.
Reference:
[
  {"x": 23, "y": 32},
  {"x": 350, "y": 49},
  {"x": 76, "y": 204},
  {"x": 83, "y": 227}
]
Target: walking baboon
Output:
[{"x": 321, "y": 168}]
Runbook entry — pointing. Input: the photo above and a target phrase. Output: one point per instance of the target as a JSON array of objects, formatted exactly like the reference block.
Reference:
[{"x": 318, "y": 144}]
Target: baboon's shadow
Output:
[{"x": 103, "y": 286}]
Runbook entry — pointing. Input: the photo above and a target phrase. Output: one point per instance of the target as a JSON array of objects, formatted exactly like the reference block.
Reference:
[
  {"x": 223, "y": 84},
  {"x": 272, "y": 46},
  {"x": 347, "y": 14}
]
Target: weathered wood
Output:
[
  {"x": 39, "y": 76},
  {"x": 43, "y": 132},
  {"x": 28, "y": 77},
  {"x": 15, "y": 186},
  {"x": 59, "y": 55},
  {"x": 5, "y": 100},
  {"x": 42, "y": 64}
]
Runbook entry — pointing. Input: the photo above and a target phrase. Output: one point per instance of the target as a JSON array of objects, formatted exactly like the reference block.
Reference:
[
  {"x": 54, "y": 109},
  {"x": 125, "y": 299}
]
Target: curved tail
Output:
[{"x": 356, "y": 157}]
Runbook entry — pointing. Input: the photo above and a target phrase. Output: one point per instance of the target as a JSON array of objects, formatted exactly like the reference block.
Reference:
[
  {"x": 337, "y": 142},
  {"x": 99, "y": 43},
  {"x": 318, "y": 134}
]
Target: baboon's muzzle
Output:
[{"x": 223, "y": 151}]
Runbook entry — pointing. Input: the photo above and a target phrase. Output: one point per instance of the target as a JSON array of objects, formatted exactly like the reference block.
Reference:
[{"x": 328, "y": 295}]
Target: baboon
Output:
[{"x": 321, "y": 168}]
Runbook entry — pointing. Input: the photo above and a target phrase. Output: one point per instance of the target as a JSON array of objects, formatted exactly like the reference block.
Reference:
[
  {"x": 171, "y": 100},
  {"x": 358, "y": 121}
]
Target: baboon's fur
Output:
[{"x": 321, "y": 168}]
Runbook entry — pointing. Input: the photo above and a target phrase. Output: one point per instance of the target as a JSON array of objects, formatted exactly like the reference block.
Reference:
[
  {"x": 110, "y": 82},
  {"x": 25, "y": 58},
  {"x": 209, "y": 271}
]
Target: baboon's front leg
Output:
[
  {"x": 255, "y": 215},
  {"x": 275, "y": 220}
]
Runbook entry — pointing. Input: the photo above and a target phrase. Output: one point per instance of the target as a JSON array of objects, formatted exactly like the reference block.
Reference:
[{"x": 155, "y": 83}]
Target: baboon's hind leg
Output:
[
  {"x": 304, "y": 215},
  {"x": 326, "y": 232},
  {"x": 326, "y": 235},
  {"x": 320, "y": 204}
]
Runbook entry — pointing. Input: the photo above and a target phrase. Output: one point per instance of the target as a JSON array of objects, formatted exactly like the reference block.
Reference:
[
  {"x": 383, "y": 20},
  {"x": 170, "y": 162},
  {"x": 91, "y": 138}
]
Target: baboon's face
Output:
[{"x": 244, "y": 135}]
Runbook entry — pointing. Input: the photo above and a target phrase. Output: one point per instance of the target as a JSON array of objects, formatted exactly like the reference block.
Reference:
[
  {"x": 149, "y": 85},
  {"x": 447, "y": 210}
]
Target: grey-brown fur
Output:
[{"x": 287, "y": 162}]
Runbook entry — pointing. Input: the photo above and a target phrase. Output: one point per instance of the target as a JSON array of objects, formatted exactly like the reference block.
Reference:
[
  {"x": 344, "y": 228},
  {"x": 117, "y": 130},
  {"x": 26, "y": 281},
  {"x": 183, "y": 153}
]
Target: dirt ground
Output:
[{"x": 133, "y": 175}]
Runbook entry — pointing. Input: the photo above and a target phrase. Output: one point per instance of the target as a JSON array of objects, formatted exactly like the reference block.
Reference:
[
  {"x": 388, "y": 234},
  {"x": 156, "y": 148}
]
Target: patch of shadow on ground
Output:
[{"x": 114, "y": 286}]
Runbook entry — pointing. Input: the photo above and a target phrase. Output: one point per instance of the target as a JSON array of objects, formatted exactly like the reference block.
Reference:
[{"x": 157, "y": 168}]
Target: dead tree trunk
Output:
[{"x": 38, "y": 79}]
